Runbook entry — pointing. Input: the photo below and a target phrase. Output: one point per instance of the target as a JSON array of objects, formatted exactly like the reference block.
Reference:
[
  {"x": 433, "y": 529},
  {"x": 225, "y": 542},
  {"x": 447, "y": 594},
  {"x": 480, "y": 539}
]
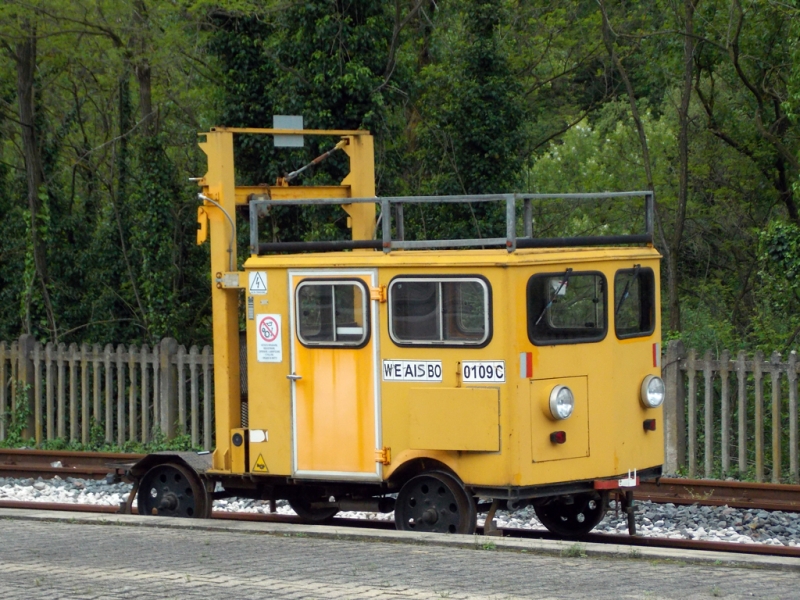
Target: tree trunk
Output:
[
  {"x": 26, "y": 71},
  {"x": 142, "y": 69},
  {"x": 145, "y": 97},
  {"x": 674, "y": 306},
  {"x": 785, "y": 189}
]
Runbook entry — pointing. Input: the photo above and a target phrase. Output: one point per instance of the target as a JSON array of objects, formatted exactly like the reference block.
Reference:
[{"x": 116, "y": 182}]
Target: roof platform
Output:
[{"x": 260, "y": 205}]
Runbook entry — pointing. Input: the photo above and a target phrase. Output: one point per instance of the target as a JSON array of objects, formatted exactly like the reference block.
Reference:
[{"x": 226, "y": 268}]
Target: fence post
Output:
[
  {"x": 758, "y": 421},
  {"x": 674, "y": 420},
  {"x": 725, "y": 410},
  {"x": 73, "y": 392},
  {"x": 775, "y": 365},
  {"x": 708, "y": 405},
  {"x": 169, "y": 387},
  {"x": 144, "y": 351},
  {"x": 49, "y": 390},
  {"x": 3, "y": 391},
  {"x": 791, "y": 375},
  {"x": 61, "y": 410},
  {"x": 25, "y": 377},
  {"x": 741, "y": 375},
  {"x": 120, "y": 394},
  {"x": 37, "y": 392},
  {"x": 691, "y": 428}
]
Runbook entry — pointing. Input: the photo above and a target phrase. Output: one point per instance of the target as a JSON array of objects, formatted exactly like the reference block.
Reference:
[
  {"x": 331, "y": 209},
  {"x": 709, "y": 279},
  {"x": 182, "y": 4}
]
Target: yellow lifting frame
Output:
[{"x": 218, "y": 218}]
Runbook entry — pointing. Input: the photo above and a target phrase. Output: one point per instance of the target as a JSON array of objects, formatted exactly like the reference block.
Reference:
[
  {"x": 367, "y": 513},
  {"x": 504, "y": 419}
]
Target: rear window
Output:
[
  {"x": 567, "y": 307},
  {"x": 634, "y": 302},
  {"x": 432, "y": 311}
]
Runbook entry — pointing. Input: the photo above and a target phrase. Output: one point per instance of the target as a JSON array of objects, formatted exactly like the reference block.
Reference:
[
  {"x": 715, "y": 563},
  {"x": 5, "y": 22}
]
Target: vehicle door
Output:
[{"x": 335, "y": 393}]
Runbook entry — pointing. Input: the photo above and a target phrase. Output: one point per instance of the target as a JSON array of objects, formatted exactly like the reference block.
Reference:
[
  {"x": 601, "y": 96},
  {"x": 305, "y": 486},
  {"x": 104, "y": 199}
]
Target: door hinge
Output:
[
  {"x": 378, "y": 293},
  {"x": 383, "y": 456}
]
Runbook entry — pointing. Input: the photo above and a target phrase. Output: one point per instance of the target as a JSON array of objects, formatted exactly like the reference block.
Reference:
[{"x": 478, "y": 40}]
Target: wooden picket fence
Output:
[
  {"x": 130, "y": 393},
  {"x": 717, "y": 418},
  {"x": 716, "y": 409}
]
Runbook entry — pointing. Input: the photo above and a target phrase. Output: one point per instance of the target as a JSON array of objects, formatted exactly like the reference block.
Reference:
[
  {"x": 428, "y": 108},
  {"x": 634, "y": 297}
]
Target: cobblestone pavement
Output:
[{"x": 64, "y": 560}]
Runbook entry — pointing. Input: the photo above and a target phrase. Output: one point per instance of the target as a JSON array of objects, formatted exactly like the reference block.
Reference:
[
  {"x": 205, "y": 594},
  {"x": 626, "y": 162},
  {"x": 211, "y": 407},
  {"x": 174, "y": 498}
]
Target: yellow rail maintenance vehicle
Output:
[{"x": 418, "y": 376}]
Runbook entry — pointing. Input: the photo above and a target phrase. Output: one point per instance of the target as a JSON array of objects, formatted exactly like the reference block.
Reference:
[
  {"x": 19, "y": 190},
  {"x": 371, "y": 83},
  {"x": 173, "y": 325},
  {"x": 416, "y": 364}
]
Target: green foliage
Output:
[
  {"x": 327, "y": 61},
  {"x": 16, "y": 422},
  {"x": 473, "y": 110},
  {"x": 778, "y": 324},
  {"x": 179, "y": 444},
  {"x": 463, "y": 97},
  {"x": 97, "y": 443},
  {"x": 574, "y": 551}
]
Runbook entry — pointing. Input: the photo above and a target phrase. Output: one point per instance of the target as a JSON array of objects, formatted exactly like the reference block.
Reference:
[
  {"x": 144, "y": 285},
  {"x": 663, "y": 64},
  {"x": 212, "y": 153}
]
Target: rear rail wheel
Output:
[
  {"x": 305, "y": 509},
  {"x": 173, "y": 490},
  {"x": 574, "y": 515},
  {"x": 435, "y": 501}
]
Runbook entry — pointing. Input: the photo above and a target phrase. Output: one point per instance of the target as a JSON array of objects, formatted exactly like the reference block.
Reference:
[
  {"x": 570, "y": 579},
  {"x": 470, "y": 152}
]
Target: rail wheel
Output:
[
  {"x": 573, "y": 516},
  {"x": 312, "y": 514},
  {"x": 435, "y": 501},
  {"x": 173, "y": 490}
]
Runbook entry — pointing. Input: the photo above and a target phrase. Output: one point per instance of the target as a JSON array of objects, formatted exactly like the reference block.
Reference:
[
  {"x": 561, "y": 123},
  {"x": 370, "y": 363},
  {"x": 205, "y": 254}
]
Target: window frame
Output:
[
  {"x": 576, "y": 340},
  {"x": 333, "y": 282},
  {"x": 638, "y": 334},
  {"x": 468, "y": 278}
]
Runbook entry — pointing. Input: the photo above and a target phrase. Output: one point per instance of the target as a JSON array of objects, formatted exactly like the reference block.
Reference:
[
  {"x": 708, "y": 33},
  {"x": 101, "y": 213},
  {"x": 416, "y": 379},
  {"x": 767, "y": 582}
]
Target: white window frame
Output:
[
  {"x": 441, "y": 341},
  {"x": 364, "y": 312}
]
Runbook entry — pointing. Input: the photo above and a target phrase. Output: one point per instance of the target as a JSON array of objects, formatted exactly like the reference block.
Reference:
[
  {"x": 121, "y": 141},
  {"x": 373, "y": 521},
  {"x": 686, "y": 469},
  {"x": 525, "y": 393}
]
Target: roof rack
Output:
[{"x": 260, "y": 205}]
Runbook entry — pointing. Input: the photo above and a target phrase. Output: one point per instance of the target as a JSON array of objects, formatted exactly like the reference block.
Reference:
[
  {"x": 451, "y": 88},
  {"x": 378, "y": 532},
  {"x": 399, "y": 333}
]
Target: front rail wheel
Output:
[
  {"x": 574, "y": 515},
  {"x": 173, "y": 490},
  {"x": 435, "y": 501}
]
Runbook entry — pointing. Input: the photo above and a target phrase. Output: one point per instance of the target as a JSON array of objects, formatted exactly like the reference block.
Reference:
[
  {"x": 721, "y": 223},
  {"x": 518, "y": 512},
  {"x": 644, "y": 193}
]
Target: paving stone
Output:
[{"x": 40, "y": 560}]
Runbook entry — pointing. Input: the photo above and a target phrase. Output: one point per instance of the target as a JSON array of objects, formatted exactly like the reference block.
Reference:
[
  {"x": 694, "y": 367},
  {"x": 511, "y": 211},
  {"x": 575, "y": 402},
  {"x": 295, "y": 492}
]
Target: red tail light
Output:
[
  {"x": 558, "y": 437},
  {"x": 649, "y": 425}
]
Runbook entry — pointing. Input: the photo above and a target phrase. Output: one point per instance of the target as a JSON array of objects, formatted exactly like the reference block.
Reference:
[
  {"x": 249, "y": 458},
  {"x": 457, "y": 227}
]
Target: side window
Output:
[
  {"x": 448, "y": 311},
  {"x": 332, "y": 313},
  {"x": 567, "y": 307},
  {"x": 634, "y": 302}
]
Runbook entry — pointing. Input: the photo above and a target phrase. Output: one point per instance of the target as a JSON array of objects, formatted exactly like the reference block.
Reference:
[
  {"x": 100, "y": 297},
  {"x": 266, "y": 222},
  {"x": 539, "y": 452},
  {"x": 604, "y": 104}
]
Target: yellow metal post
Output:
[
  {"x": 219, "y": 185},
  {"x": 361, "y": 180}
]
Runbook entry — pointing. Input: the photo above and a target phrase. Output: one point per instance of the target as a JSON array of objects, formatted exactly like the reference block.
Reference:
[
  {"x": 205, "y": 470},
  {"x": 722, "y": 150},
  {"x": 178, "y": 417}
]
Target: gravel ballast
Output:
[{"x": 694, "y": 522}]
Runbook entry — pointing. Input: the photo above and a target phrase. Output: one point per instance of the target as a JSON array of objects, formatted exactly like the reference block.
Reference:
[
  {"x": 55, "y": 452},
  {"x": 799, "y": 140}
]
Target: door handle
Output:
[{"x": 294, "y": 377}]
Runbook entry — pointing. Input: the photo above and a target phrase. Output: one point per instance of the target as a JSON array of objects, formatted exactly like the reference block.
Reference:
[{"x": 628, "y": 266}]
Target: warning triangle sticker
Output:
[
  {"x": 258, "y": 283},
  {"x": 261, "y": 464}
]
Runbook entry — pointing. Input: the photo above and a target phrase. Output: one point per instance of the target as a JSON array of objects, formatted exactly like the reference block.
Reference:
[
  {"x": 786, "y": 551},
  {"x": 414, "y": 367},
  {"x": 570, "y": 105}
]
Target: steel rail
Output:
[
  {"x": 736, "y": 494},
  {"x": 39, "y": 463}
]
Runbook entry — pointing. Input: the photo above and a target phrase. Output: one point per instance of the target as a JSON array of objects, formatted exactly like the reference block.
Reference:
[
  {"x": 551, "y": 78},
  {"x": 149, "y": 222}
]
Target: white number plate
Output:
[
  {"x": 483, "y": 371},
  {"x": 412, "y": 370}
]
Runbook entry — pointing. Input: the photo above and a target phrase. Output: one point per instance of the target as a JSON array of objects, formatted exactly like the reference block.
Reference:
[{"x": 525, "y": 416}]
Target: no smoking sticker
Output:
[{"x": 268, "y": 338}]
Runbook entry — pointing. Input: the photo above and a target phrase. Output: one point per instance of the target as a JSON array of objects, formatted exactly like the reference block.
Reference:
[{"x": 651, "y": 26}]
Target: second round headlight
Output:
[
  {"x": 562, "y": 402},
  {"x": 653, "y": 391}
]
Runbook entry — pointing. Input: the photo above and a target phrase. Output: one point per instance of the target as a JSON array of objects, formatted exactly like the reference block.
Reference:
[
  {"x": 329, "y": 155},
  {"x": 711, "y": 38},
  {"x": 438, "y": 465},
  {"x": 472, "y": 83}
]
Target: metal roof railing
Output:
[{"x": 260, "y": 205}]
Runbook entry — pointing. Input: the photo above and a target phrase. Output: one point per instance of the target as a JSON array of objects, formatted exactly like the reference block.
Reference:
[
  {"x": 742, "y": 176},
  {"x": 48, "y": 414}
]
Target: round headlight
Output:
[
  {"x": 653, "y": 391},
  {"x": 561, "y": 402}
]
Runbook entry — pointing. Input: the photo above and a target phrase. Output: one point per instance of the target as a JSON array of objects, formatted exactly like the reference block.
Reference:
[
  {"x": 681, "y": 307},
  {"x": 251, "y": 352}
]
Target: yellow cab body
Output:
[{"x": 476, "y": 397}]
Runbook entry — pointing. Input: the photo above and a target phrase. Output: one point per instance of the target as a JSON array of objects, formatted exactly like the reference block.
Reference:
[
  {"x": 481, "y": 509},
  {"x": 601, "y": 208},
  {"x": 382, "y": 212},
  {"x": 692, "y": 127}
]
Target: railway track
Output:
[
  {"x": 35, "y": 463},
  {"x": 508, "y": 532},
  {"x": 706, "y": 492}
]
